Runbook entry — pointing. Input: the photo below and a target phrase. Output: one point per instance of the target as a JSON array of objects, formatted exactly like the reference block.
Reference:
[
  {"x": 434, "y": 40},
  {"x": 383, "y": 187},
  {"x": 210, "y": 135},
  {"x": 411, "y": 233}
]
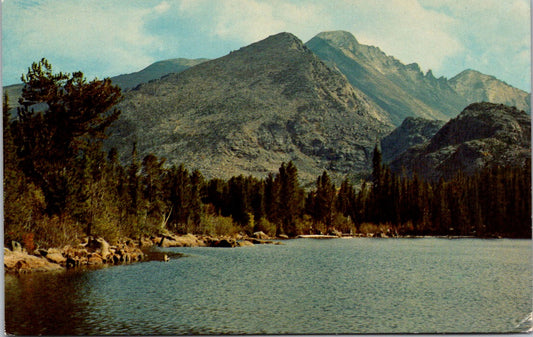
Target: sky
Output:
[{"x": 104, "y": 38}]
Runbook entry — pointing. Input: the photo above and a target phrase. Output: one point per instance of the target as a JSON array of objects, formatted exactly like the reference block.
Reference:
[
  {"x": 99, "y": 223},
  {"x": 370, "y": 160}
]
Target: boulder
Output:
[
  {"x": 226, "y": 243},
  {"x": 261, "y": 235},
  {"x": 145, "y": 242},
  {"x": 244, "y": 243},
  {"x": 16, "y": 262},
  {"x": 101, "y": 246},
  {"x": 16, "y": 246},
  {"x": 283, "y": 236},
  {"x": 40, "y": 252},
  {"x": 56, "y": 258},
  {"x": 95, "y": 259}
]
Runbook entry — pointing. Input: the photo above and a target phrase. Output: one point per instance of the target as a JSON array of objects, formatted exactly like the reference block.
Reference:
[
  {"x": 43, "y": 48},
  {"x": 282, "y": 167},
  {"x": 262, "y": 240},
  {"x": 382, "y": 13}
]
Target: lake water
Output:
[{"x": 304, "y": 286}]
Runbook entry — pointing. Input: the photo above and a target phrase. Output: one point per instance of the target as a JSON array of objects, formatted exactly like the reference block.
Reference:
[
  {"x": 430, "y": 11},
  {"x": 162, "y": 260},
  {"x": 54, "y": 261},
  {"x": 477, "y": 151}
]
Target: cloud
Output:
[
  {"x": 112, "y": 37},
  {"x": 248, "y": 21},
  {"x": 402, "y": 28},
  {"x": 495, "y": 34},
  {"x": 100, "y": 35}
]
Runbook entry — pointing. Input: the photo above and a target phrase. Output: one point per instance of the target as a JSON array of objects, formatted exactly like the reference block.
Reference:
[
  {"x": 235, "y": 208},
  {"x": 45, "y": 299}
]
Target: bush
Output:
[
  {"x": 218, "y": 225},
  {"x": 265, "y": 226}
]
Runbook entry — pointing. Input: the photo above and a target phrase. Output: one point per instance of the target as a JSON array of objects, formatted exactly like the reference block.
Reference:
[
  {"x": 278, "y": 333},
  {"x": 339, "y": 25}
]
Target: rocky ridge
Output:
[
  {"x": 125, "y": 81},
  {"x": 154, "y": 71},
  {"x": 404, "y": 90},
  {"x": 484, "y": 134},
  {"x": 401, "y": 90}
]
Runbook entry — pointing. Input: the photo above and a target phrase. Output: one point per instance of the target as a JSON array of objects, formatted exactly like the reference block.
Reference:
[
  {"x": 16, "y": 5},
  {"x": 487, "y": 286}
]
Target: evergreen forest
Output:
[{"x": 60, "y": 185}]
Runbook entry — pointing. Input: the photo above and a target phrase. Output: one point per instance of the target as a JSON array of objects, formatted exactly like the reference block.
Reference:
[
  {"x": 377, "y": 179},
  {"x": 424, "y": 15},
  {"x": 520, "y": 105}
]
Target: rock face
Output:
[
  {"x": 249, "y": 111},
  {"x": 483, "y": 134},
  {"x": 413, "y": 131},
  {"x": 478, "y": 87},
  {"x": 401, "y": 90}
]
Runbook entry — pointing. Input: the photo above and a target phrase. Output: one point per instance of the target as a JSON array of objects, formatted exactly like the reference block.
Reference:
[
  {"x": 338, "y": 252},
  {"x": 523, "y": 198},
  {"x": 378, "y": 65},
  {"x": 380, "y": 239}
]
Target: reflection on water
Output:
[{"x": 304, "y": 286}]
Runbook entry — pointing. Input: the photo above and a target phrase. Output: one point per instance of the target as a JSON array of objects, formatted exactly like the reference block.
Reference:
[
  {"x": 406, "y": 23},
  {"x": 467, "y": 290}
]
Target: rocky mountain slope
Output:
[
  {"x": 483, "y": 134},
  {"x": 478, "y": 87},
  {"x": 403, "y": 90},
  {"x": 154, "y": 71},
  {"x": 411, "y": 132},
  {"x": 247, "y": 112}
]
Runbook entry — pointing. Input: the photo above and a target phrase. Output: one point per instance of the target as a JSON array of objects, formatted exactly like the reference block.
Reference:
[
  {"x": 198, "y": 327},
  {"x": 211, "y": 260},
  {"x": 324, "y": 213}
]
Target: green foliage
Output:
[{"x": 74, "y": 115}]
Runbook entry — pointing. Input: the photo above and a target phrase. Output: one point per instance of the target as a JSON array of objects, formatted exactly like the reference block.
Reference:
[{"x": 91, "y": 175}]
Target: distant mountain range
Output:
[
  {"x": 323, "y": 104},
  {"x": 403, "y": 90}
]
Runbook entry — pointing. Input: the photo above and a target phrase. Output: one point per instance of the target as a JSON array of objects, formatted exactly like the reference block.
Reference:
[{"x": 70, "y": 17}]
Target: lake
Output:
[{"x": 305, "y": 286}]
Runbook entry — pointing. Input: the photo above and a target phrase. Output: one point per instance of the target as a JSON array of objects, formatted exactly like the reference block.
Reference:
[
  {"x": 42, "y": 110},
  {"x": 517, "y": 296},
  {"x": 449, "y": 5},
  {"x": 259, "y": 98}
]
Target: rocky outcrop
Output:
[
  {"x": 187, "y": 240},
  {"x": 483, "y": 135},
  {"x": 404, "y": 90},
  {"x": 22, "y": 262},
  {"x": 93, "y": 251},
  {"x": 413, "y": 131}
]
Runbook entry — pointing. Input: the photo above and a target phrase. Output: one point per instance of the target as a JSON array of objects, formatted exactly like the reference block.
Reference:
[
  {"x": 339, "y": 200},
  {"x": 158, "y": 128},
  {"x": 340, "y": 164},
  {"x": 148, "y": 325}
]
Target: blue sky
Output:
[{"x": 105, "y": 38}]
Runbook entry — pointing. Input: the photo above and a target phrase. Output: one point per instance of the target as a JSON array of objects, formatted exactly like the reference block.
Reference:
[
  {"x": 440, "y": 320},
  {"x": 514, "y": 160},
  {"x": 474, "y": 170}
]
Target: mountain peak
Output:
[
  {"x": 339, "y": 38},
  {"x": 247, "y": 112},
  {"x": 478, "y": 87},
  {"x": 276, "y": 41}
]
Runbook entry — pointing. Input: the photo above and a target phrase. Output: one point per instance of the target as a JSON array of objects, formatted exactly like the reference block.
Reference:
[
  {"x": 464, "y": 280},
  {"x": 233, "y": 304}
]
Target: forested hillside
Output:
[{"x": 60, "y": 185}]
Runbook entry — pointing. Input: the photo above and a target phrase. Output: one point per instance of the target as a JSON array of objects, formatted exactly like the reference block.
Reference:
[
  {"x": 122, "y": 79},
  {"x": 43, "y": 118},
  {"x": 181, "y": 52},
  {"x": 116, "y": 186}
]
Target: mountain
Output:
[
  {"x": 411, "y": 132},
  {"x": 247, "y": 112},
  {"x": 125, "y": 81},
  {"x": 154, "y": 71},
  {"x": 404, "y": 90},
  {"x": 401, "y": 90},
  {"x": 478, "y": 87},
  {"x": 484, "y": 134}
]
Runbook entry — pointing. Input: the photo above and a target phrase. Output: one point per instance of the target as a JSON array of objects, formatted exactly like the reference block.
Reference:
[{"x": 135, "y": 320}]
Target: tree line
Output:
[{"x": 60, "y": 184}]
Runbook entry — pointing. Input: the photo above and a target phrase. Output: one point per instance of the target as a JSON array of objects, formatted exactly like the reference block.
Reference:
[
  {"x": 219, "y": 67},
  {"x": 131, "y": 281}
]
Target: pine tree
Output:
[
  {"x": 291, "y": 198},
  {"x": 324, "y": 200},
  {"x": 76, "y": 114}
]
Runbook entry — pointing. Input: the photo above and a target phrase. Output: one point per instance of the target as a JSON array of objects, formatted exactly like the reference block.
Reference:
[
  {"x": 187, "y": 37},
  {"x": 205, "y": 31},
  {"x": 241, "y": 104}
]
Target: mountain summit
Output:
[
  {"x": 247, "y": 112},
  {"x": 478, "y": 87}
]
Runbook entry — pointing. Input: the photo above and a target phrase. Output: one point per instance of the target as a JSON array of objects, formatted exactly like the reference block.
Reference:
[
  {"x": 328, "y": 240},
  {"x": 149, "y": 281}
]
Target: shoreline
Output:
[{"x": 94, "y": 252}]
